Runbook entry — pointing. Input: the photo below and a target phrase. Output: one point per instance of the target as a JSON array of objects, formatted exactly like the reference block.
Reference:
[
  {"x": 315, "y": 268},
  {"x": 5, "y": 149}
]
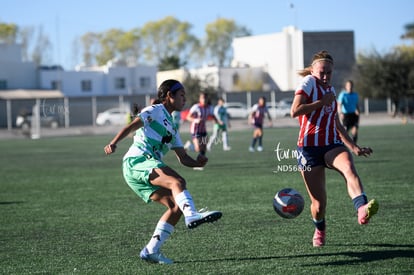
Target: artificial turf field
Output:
[{"x": 65, "y": 209}]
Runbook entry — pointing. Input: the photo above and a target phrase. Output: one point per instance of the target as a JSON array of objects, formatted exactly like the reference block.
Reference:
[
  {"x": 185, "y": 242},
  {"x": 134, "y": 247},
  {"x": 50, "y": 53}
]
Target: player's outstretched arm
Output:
[
  {"x": 133, "y": 126},
  {"x": 187, "y": 160}
]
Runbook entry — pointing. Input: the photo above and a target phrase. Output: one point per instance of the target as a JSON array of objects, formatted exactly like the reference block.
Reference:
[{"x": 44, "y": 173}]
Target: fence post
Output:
[
  {"x": 66, "y": 108},
  {"x": 249, "y": 100},
  {"x": 35, "y": 123},
  {"x": 93, "y": 110},
  {"x": 366, "y": 106},
  {"x": 9, "y": 114},
  {"x": 390, "y": 106}
]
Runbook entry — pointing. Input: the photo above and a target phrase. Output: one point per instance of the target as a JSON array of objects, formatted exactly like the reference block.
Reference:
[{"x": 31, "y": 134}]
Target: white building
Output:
[
  {"x": 280, "y": 55},
  {"x": 14, "y": 73},
  {"x": 101, "y": 81}
]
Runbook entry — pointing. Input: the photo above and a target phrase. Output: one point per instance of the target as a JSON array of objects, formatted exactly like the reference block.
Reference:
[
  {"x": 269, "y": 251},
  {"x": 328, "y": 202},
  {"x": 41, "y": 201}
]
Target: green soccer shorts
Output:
[{"x": 136, "y": 171}]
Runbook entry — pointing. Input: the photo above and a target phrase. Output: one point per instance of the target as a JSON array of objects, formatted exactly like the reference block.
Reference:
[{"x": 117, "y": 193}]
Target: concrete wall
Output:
[{"x": 340, "y": 45}]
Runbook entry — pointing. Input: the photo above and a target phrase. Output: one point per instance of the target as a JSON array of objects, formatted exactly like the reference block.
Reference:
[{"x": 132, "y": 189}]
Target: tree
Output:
[
  {"x": 26, "y": 35},
  {"x": 41, "y": 50},
  {"x": 388, "y": 76},
  {"x": 409, "y": 32},
  {"x": 8, "y": 33},
  {"x": 90, "y": 47},
  {"x": 168, "y": 39},
  {"x": 193, "y": 86},
  {"x": 108, "y": 42},
  {"x": 129, "y": 46},
  {"x": 170, "y": 63},
  {"x": 219, "y": 37}
]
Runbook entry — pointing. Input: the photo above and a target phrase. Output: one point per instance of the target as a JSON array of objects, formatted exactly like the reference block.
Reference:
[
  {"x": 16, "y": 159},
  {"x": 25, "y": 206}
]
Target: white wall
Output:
[
  {"x": 280, "y": 54},
  {"x": 19, "y": 75},
  {"x": 10, "y": 52},
  {"x": 103, "y": 80}
]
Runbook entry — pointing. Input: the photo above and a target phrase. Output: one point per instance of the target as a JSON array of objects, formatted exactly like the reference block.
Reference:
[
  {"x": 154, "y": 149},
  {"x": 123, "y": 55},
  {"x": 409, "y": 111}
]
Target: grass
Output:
[{"x": 65, "y": 209}]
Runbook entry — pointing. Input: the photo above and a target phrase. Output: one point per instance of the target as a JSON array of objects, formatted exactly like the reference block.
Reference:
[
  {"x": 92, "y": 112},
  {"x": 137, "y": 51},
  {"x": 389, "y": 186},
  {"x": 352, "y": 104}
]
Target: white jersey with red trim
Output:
[{"x": 317, "y": 128}]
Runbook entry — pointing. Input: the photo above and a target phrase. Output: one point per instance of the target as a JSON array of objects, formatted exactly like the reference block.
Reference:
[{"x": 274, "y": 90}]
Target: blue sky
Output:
[{"x": 377, "y": 24}]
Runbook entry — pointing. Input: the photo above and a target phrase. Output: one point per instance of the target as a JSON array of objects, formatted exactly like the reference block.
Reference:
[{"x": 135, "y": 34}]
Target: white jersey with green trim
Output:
[
  {"x": 158, "y": 135},
  {"x": 220, "y": 112}
]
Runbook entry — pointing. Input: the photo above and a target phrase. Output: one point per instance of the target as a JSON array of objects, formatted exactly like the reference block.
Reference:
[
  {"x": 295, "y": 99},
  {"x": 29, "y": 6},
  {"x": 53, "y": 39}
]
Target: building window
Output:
[
  {"x": 236, "y": 79},
  {"x": 119, "y": 83},
  {"x": 86, "y": 85},
  {"x": 56, "y": 85},
  {"x": 145, "y": 82},
  {"x": 3, "y": 84}
]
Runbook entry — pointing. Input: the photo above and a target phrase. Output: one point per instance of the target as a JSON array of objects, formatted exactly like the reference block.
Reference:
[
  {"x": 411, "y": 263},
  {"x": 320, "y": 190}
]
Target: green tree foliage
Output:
[
  {"x": 109, "y": 45},
  {"x": 118, "y": 45},
  {"x": 194, "y": 86},
  {"x": 168, "y": 38},
  {"x": 41, "y": 50},
  {"x": 8, "y": 33},
  {"x": 220, "y": 35},
  {"x": 385, "y": 76},
  {"x": 409, "y": 32},
  {"x": 90, "y": 46},
  {"x": 170, "y": 63}
]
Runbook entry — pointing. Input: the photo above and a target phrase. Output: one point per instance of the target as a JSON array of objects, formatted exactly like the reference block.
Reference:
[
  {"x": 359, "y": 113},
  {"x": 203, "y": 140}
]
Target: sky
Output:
[{"x": 377, "y": 25}]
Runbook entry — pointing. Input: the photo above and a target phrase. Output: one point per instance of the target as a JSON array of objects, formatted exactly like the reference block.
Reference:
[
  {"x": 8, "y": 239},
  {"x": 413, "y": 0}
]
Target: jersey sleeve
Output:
[
  {"x": 146, "y": 114},
  {"x": 177, "y": 141},
  {"x": 340, "y": 97},
  {"x": 306, "y": 86},
  {"x": 254, "y": 108},
  {"x": 194, "y": 111}
]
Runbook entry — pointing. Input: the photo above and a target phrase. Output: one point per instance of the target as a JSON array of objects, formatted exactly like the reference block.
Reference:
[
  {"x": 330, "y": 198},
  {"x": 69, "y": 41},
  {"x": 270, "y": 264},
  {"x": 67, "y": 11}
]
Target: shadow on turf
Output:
[
  {"x": 10, "y": 202},
  {"x": 400, "y": 251}
]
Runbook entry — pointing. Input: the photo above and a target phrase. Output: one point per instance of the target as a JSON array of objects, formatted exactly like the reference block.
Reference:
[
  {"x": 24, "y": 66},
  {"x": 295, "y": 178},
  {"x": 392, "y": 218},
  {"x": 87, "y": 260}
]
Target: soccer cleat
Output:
[
  {"x": 251, "y": 149},
  {"x": 259, "y": 148},
  {"x": 202, "y": 217},
  {"x": 366, "y": 211},
  {"x": 318, "y": 238},
  {"x": 228, "y": 148},
  {"x": 156, "y": 257}
]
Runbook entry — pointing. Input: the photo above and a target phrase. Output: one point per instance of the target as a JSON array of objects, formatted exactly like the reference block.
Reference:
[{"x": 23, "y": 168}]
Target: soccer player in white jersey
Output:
[
  {"x": 220, "y": 126},
  {"x": 150, "y": 178},
  {"x": 323, "y": 143},
  {"x": 198, "y": 116}
]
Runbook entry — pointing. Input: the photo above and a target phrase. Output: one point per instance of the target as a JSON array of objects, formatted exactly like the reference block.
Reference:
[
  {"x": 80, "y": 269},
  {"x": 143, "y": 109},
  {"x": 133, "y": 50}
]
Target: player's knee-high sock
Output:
[
  {"x": 185, "y": 203},
  {"x": 359, "y": 201},
  {"x": 162, "y": 232},
  {"x": 224, "y": 137},
  {"x": 254, "y": 142},
  {"x": 260, "y": 140},
  {"x": 320, "y": 225}
]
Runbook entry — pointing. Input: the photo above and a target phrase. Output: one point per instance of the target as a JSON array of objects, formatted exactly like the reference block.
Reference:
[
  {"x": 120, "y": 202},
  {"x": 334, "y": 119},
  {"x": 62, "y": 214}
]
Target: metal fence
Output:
[{"x": 82, "y": 111}]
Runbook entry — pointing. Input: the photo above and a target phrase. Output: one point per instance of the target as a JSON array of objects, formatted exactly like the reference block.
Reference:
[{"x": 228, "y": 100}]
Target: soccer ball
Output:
[{"x": 288, "y": 203}]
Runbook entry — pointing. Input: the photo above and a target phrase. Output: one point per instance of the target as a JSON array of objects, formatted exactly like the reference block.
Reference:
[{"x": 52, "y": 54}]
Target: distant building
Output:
[
  {"x": 282, "y": 55},
  {"x": 101, "y": 81},
  {"x": 14, "y": 73},
  {"x": 271, "y": 62},
  {"x": 111, "y": 79}
]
